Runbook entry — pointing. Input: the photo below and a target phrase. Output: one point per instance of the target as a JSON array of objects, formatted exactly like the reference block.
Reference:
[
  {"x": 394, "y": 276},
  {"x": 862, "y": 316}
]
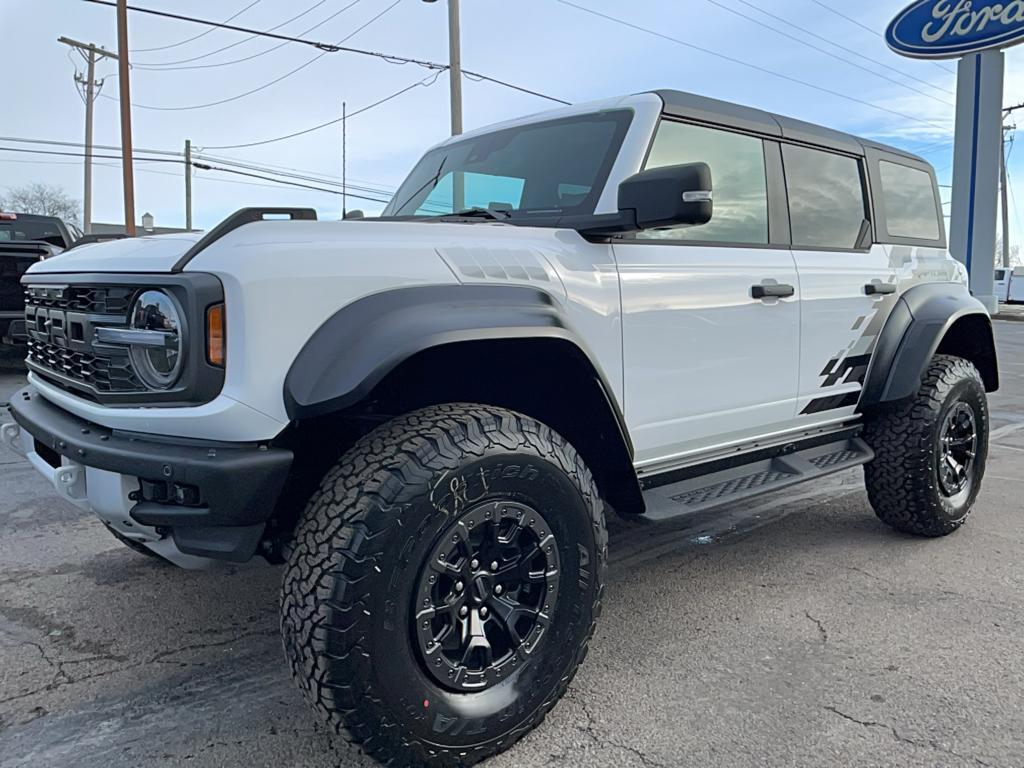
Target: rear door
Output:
[
  {"x": 707, "y": 363},
  {"x": 846, "y": 284}
]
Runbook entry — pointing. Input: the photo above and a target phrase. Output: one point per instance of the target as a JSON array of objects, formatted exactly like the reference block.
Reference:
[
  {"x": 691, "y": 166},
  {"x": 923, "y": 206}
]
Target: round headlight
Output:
[{"x": 158, "y": 362}]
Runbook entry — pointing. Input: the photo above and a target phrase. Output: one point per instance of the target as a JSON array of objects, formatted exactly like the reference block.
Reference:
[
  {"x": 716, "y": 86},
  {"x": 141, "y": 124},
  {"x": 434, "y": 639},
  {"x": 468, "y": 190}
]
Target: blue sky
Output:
[{"x": 540, "y": 44}]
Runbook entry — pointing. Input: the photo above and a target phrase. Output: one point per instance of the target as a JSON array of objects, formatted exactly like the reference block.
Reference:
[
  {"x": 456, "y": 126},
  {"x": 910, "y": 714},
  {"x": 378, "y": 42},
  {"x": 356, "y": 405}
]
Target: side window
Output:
[
  {"x": 826, "y": 198},
  {"x": 737, "y": 176},
  {"x": 1000, "y": 275},
  {"x": 909, "y": 201}
]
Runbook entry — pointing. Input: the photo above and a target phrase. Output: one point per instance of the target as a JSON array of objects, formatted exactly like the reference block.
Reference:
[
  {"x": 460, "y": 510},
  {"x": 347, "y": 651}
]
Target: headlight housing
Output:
[{"x": 159, "y": 365}]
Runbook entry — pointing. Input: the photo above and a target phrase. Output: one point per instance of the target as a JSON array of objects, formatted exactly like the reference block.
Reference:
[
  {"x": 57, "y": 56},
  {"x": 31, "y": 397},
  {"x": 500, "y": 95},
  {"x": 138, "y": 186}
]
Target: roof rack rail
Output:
[{"x": 239, "y": 219}]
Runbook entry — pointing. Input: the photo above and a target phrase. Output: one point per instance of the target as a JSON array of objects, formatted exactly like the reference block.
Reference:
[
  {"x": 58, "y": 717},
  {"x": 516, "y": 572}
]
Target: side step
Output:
[{"x": 726, "y": 486}]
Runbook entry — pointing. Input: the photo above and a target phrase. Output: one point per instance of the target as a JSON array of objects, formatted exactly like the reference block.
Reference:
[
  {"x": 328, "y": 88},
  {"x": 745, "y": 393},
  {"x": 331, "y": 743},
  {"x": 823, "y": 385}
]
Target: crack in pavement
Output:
[
  {"x": 821, "y": 627},
  {"x": 604, "y": 741},
  {"x": 905, "y": 740},
  {"x": 62, "y": 678}
]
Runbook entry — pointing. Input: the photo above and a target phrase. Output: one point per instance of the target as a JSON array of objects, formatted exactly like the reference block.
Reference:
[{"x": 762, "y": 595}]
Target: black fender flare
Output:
[
  {"x": 355, "y": 348},
  {"x": 911, "y": 336}
]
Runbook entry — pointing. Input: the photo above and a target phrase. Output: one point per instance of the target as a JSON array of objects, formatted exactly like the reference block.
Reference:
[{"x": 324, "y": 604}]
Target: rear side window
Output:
[
  {"x": 909, "y": 200},
  {"x": 1000, "y": 274},
  {"x": 737, "y": 176},
  {"x": 826, "y": 198}
]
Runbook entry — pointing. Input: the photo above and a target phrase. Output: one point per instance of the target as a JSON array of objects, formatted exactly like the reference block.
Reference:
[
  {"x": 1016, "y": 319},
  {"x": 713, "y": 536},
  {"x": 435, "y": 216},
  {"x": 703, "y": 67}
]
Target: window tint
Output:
[
  {"x": 909, "y": 200},
  {"x": 479, "y": 190},
  {"x": 826, "y": 197},
  {"x": 555, "y": 167},
  {"x": 1000, "y": 274},
  {"x": 737, "y": 175}
]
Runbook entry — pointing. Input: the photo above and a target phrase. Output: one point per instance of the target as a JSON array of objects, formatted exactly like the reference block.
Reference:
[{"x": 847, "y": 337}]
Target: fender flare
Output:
[
  {"x": 917, "y": 324},
  {"x": 355, "y": 348}
]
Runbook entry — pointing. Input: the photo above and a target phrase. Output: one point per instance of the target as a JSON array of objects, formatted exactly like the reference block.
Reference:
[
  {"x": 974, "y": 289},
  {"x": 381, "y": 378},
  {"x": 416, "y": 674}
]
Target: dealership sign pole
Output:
[{"x": 974, "y": 31}]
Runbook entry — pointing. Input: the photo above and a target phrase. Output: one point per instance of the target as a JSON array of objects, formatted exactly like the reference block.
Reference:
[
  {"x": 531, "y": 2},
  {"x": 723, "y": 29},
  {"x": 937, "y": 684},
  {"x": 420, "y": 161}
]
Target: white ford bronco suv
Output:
[{"x": 654, "y": 304}]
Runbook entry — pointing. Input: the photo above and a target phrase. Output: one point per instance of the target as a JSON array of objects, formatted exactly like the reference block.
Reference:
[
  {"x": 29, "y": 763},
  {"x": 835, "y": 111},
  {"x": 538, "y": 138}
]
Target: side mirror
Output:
[{"x": 673, "y": 195}]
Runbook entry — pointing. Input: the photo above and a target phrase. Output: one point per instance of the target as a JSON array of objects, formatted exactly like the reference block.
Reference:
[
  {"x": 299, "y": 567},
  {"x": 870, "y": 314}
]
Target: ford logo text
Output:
[{"x": 941, "y": 29}]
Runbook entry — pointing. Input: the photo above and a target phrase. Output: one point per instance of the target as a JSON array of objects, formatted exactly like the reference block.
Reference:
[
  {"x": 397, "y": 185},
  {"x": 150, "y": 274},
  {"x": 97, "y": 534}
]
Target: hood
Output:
[{"x": 155, "y": 253}]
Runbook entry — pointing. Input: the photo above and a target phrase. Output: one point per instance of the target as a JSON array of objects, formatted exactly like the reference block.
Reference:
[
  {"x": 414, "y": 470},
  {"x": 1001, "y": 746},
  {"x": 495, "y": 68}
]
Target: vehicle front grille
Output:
[
  {"x": 106, "y": 374},
  {"x": 61, "y": 322},
  {"x": 94, "y": 299},
  {"x": 11, "y": 295}
]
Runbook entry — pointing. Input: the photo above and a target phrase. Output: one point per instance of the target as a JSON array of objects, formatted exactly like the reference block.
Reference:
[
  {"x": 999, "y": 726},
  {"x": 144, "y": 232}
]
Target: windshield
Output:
[
  {"x": 554, "y": 167},
  {"x": 47, "y": 230}
]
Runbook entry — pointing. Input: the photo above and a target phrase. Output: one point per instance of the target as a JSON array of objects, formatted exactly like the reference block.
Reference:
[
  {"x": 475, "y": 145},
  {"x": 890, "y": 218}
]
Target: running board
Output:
[{"x": 726, "y": 486}]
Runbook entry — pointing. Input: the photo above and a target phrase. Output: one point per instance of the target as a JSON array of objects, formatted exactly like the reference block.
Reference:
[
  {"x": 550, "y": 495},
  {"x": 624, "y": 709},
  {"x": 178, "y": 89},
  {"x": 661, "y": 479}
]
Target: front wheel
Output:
[
  {"x": 930, "y": 451},
  {"x": 444, "y": 584}
]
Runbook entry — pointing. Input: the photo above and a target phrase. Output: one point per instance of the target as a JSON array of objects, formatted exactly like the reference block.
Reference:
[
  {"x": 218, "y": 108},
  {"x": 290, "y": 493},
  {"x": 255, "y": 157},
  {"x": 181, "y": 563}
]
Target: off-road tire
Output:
[
  {"x": 902, "y": 480},
  {"x": 351, "y": 579}
]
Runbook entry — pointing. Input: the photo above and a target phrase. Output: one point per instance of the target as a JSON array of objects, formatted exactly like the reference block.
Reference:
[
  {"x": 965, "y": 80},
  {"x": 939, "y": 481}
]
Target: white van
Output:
[
  {"x": 1015, "y": 290},
  {"x": 1002, "y": 284}
]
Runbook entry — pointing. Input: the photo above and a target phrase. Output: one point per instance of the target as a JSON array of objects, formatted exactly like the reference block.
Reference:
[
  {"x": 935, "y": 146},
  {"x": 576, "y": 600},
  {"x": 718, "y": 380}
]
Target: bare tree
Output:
[
  {"x": 1015, "y": 254},
  {"x": 44, "y": 200}
]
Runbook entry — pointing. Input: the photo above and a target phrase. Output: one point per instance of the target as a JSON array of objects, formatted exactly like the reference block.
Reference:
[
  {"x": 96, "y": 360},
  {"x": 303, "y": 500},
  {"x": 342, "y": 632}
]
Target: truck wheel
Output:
[
  {"x": 444, "y": 584},
  {"x": 930, "y": 451}
]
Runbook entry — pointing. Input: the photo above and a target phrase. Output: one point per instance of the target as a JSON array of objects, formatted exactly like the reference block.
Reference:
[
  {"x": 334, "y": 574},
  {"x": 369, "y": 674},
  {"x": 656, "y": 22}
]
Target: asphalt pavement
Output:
[{"x": 793, "y": 630}]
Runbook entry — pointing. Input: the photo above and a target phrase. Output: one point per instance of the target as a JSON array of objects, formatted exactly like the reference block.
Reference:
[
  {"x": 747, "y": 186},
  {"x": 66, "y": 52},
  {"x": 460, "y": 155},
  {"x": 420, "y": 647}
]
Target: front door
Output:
[{"x": 711, "y": 314}]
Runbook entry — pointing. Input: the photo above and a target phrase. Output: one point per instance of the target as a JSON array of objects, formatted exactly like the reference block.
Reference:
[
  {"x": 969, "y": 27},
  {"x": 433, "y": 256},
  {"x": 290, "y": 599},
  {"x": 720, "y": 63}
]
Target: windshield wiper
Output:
[{"x": 494, "y": 214}]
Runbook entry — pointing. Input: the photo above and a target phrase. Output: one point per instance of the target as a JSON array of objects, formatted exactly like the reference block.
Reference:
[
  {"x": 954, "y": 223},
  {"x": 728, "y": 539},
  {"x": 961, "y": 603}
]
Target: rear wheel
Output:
[
  {"x": 444, "y": 584},
  {"x": 930, "y": 451}
]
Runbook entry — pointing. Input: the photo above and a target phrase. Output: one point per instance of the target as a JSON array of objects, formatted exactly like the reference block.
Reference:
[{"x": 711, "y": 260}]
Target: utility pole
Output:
[
  {"x": 188, "y": 184},
  {"x": 454, "y": 64},
  {"x": 91, "y": 87},
  {"x": 344, "y": 162},
  {"x": 124, "y": 94},
  {"x": 1005, "y": 201}
]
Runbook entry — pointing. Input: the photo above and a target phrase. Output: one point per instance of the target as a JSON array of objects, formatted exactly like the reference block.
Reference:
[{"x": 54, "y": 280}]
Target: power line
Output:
[
  {"x": 275, "y": 81},
  {"x": 82, "y": 154},
  {"x": 196, "y": 37},
  {"x": 874, "y": 32},
  {"x": 426, "y": 82},
  {"x": 812, "y": 33},
  {"x": 171, "y": 66},
  {"x": 331, "y": 48},
  {"x": 748, "y": 64},
  {"x": 52, "y": 143},
  {"x": 206, "y": 167}
]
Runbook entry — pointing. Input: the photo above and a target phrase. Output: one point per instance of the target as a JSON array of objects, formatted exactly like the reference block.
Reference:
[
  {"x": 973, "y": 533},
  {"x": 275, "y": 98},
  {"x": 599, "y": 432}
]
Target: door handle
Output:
[
  {"x": 879, "y": 289},
  {"x": 772, "y": 291}
]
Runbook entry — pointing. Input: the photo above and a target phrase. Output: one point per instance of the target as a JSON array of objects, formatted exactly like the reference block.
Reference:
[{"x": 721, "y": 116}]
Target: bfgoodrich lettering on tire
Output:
[
  {"x": 930, "y": 451},
  {"x": 444, "y": 584}
]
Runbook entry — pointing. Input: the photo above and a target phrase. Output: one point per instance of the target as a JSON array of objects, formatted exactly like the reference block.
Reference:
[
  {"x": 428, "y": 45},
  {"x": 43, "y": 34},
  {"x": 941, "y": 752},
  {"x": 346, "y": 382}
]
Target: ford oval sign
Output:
[{"x": 941, "y": 29}]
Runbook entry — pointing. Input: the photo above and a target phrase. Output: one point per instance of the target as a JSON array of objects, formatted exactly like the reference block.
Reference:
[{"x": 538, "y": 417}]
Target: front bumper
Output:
[{"x": 226, "y": 492}]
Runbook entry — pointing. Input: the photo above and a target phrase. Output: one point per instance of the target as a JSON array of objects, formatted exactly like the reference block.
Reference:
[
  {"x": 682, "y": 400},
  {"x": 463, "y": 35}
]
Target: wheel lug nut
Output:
[
  {"x": 494, "y": 565},
  {"x": 459, "y": 586},
  {"x": 498, "y": 590},
  {"x": 474, "y": 564},
  {"x": 463, "y": 611},
  {"x": 483, "y": 612}
]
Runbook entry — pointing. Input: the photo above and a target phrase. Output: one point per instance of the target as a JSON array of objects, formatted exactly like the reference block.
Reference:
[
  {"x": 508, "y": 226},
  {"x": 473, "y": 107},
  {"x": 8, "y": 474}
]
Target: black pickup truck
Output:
[{"x": 24, "y": 239}]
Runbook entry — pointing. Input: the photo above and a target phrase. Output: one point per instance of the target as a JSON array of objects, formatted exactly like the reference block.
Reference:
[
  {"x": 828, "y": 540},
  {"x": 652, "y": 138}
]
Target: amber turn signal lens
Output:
[{"x": 215, "y": 335}]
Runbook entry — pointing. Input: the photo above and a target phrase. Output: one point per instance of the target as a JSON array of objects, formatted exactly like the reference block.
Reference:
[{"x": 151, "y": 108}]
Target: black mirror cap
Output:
[{"x": 672, "y": 195}]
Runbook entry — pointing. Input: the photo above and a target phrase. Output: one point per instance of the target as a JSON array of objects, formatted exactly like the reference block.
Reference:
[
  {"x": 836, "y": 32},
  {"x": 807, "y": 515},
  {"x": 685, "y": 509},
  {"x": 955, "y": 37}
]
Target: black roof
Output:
[{"x": 707, "y": 110}]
